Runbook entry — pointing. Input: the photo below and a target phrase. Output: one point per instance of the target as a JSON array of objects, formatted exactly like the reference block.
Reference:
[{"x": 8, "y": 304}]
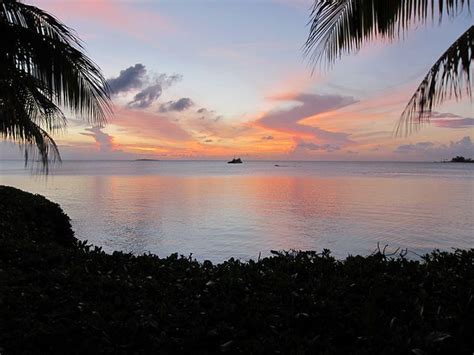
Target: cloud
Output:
[
  {"x": 180, "y": 105},
  {"x": 288, "y": 120},
  {"x": 316, "y": 147},
  {"x": 451, "y": 120},
  {"x": 131, "y": 78},
  {"x": 436, "y": 114},
  {"x": 146, "y": 97},
  {"x": 149, "y": 125},
  {"x": 418, "y": 147},
  {"x": 104, "y": 141},
  {"x": 430, "y": 150},
  {"x": 207, "y": 115},
  {"x": 267, "y": 138},
  {"x": 205, "y": 111},
  {"x": 135, "y": 78},
  {"x": 455, "y": 123}
]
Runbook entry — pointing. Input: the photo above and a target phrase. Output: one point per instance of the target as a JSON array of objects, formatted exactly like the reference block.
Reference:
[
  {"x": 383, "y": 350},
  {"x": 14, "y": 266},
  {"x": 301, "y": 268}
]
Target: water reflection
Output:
[{"x": 217, "y": 216}]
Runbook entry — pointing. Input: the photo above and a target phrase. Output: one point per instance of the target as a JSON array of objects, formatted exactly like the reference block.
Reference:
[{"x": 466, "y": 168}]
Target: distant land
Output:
[
  {"x": 146, "y": 160},
  {"x": 461, "y": 159}
]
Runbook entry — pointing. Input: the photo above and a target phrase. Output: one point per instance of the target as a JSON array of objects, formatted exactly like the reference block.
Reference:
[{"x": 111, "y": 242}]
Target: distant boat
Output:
[{"x": 235, "y": 161}]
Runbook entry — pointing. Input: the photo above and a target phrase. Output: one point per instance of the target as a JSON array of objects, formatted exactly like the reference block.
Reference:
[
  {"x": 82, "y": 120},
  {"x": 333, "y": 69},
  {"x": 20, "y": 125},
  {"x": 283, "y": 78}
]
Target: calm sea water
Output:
[{"x": 216, "y": 211}]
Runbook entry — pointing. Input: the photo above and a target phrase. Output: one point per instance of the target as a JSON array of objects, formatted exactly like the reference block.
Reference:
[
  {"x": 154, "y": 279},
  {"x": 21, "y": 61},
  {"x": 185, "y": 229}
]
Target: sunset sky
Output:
[{"x": 214, "y": 79}]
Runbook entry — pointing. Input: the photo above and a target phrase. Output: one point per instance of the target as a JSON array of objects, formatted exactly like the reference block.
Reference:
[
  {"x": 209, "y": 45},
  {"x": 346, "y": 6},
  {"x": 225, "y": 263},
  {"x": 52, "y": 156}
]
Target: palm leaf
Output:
[
  {"x": 449, "y": 78},
  {"x": 43, "y": 68},
  {"x": 343, "y": 26}
]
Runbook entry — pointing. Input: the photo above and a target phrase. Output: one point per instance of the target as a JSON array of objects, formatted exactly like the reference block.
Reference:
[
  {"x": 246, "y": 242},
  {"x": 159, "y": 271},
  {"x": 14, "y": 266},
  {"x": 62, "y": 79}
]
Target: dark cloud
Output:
[
  {"x": 287, "y": 120},
  {"x": 137, "y": 78},
  {"x": 267, "y": 138},
  {"x": 146, "y": 97},
  {"x": 319, "y": 147},
  {"x": 208, "y": 141},
  {"x": 206, "y": 114},
  {"x": 180, "y": 105},
  {"x": 352, "y": 152},
  {"x": 104, "y": 141},
  {"x": 131, "y": 78}
]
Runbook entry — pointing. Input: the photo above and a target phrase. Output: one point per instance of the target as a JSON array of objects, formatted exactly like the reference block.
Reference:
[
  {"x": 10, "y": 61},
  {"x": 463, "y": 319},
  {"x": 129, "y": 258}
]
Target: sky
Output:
[{"x": 217, "y": 79}]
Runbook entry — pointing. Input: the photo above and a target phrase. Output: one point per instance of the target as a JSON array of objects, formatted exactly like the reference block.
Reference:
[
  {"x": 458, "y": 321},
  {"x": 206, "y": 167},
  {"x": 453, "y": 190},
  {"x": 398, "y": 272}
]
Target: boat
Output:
[{"x": 235, "y": 161}]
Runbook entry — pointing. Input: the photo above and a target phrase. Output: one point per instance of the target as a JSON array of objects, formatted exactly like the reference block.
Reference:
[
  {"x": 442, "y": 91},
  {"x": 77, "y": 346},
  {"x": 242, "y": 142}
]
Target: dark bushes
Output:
[
  {"x": 25, "y": 215},
  {"x": 77, "y": 299}
]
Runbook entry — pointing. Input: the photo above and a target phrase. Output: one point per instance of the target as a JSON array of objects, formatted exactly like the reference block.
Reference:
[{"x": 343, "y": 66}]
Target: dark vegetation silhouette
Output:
[
  {"x": 44, "y": 71},
  {"x": 461, "y": 159},
  {"x": 60, "y": 296},
  {"x": 341, "y": 27}
]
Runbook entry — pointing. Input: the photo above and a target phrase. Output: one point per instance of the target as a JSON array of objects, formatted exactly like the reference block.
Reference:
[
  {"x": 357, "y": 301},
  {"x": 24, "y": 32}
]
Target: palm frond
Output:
[
  {"x": 449, "y": 78},
  {"x": 343, "y": 26},
  {"x": 18, "y": 122},
  {"x": 340, "y": 27},
  {"x": 43, "y": 57}
]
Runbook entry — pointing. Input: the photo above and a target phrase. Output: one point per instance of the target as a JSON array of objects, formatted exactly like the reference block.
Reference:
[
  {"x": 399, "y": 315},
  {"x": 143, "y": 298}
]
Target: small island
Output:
[
  {"x": 235, "y": 161},
  {"x": 461, "y": 159}
]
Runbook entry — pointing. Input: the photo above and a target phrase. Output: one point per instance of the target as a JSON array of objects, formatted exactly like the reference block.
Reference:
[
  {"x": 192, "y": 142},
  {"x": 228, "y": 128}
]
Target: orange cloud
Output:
[{"x": 149, "y": 125}]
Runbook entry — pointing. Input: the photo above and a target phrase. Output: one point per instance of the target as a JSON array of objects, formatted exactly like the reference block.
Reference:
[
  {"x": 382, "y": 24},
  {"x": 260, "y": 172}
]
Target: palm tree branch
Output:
[
  {"x": 43, "y": 69},
  {"x": 340, "y": 27},
  {"x": 17, "y": 124},
  {"x": 73, "y": 80},
  {"x": 449, "y": 77}
]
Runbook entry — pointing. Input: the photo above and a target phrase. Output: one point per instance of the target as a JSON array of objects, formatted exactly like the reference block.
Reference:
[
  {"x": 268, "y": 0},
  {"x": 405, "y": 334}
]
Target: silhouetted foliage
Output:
[
  {"x": 77, "y": 299},
  {"x": 460, "y": 159},
  {"x": 42, "y": 71},
  {"x": 343, "y": 26}
]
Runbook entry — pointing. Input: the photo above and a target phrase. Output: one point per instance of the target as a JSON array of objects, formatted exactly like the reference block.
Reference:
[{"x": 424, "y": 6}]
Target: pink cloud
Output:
[
  {"x": 288, "y": 120},
  {"x": 149, "y": 125},
  {"x": 117, "y": 15}
]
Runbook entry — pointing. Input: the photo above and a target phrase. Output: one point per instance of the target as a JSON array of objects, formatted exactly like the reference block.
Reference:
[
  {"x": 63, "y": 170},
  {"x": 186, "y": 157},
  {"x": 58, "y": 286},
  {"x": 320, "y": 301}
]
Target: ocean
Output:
[{"x": 215, "y": 210}]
